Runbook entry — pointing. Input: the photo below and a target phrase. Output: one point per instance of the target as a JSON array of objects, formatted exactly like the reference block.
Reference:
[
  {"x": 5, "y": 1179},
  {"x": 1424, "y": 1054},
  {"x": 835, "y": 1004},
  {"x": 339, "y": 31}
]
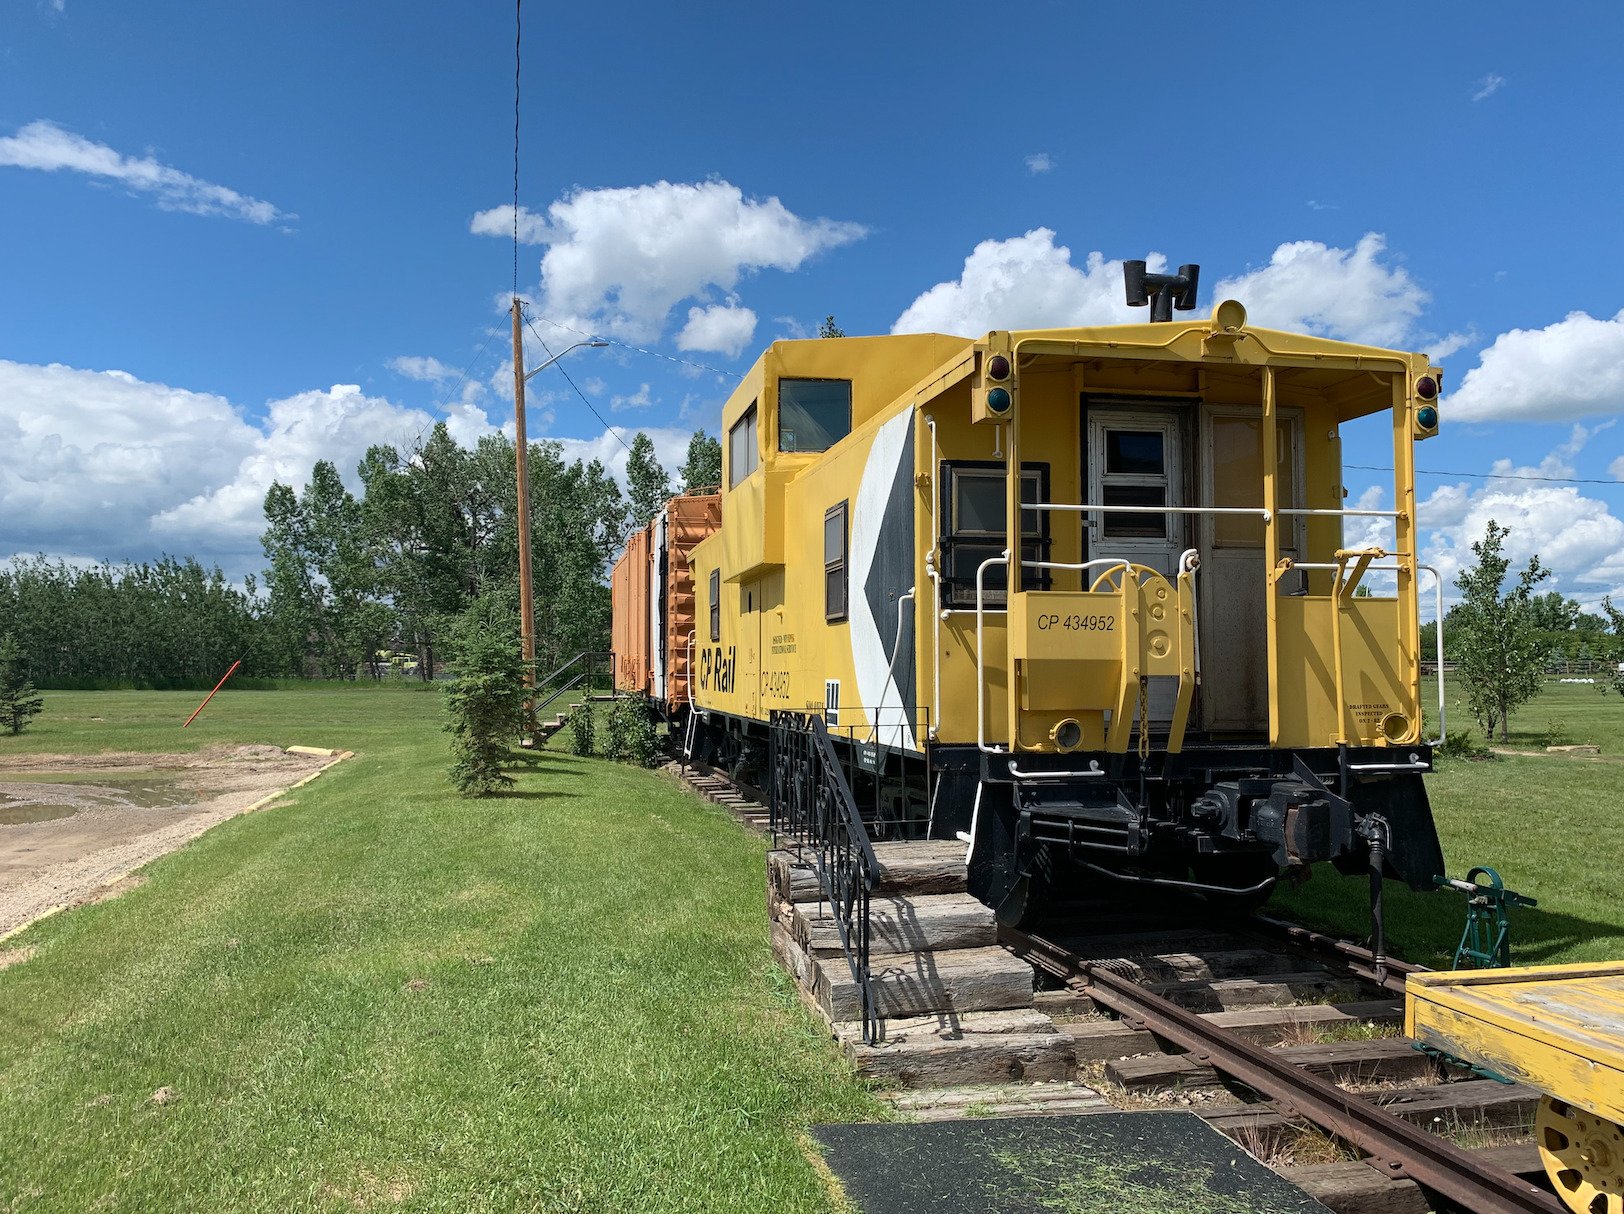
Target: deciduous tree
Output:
[
  {"x": 703, "y": 465},
  {"x": 646, "y": 480},
  {"x": 1500, "y": 650}
]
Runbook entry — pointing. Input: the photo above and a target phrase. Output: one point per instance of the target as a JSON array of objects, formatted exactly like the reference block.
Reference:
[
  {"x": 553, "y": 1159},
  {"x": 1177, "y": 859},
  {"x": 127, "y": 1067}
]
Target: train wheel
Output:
[{"x": 1584, "y": 1156}]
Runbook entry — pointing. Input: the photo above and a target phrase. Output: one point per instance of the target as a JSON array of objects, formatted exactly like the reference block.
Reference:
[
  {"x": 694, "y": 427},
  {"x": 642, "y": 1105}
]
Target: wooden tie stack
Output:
[{"x": 961, "y": 1033}]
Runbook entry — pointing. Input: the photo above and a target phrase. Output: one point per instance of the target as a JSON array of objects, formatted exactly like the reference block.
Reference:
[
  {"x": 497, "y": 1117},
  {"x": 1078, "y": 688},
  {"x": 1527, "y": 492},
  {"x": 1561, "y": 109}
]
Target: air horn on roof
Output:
[{"x": 1163, "y": 292}]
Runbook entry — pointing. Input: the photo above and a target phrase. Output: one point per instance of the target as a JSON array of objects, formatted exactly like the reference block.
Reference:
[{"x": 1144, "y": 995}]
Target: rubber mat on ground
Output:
[{"x": 1108, "y": 1163}]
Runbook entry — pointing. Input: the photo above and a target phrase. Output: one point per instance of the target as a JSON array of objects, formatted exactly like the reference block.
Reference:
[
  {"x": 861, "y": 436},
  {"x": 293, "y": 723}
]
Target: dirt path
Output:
[{"x": 70, "y": 825}]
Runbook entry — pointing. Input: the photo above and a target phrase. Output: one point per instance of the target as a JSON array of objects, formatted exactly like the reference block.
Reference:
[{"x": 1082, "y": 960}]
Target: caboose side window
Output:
[
  {"x": 716, "y": 604},
  {"x": 743, "y": 455},
  {"x": 834, "y": 563},
  {"x": 973, "y": 529},
  {"x": 813, "y": 414}
]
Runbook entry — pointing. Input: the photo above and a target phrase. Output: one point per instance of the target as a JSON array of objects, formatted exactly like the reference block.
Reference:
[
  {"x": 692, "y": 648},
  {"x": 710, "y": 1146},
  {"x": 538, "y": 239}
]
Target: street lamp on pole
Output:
[
  {"x": 521, "y": 463},
  {"x": 596, "y": 343}
]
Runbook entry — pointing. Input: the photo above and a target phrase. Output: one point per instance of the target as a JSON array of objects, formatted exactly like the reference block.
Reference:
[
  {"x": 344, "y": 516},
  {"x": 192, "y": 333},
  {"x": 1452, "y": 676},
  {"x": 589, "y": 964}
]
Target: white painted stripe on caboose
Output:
[{"x": 875, "y": 686}]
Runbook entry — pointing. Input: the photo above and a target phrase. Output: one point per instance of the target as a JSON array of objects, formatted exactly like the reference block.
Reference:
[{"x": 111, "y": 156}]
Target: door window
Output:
[{"x": 1137, "y": 472}]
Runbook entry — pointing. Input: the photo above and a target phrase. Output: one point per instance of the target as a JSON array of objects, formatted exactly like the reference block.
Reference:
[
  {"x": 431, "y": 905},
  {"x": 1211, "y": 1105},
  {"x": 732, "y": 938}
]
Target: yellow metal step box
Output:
[{"x": 1079, "y": 655}]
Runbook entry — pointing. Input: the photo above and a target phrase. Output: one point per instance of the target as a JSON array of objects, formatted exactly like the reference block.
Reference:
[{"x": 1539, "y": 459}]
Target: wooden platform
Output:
[{"x": 1556, "y": 1028}]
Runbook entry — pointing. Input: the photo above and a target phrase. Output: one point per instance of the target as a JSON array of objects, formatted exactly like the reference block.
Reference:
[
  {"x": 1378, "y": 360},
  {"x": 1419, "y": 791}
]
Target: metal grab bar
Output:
[
  {"x": 1347, "y": 513},
  {"x": 1074, "y": 566},
  {"x": 1414, "y": 765},
  {"x": 981, "y": 652},
  {"x": 1248, "y": 511},
  {"x": 890, "y": 674},
  {"x": 1093, "y": 771},
  {"x": 936, "y": 585}
]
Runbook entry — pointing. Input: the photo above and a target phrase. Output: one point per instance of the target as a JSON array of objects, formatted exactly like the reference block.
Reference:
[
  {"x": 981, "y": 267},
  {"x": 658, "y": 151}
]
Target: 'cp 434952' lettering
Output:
[{"x": 1053, "y": 622}]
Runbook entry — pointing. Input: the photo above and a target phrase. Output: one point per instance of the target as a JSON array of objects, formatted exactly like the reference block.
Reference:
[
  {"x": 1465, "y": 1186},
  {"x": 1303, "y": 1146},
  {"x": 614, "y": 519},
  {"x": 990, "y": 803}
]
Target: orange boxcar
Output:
[{"x": 652, "y": 591}]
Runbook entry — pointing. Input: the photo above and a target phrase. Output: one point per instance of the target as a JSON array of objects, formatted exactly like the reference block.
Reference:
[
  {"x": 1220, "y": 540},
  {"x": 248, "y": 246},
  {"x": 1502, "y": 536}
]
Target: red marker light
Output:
[
  {"x": 1426, "y": 387},
  {"x": 998, "y": 367}
]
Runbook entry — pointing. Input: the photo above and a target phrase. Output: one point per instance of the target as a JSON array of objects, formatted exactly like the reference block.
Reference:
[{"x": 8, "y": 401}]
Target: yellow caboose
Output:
[{"x": 1088, "y": 598}]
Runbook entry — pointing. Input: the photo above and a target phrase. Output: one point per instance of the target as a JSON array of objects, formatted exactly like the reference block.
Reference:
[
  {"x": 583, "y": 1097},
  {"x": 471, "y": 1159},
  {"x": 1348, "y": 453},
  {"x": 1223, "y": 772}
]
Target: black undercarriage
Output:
[{"x": 1223, "y": 818}]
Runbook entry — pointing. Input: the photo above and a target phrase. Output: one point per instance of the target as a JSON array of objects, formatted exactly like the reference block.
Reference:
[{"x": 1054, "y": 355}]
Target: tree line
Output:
[{"x": 356, "y": 584}]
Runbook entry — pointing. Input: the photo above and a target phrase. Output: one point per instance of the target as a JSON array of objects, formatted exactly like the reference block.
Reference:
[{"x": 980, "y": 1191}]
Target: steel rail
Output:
[
  {"x": 1395, "y": 1148},
  {"x": 1358, "y": 960}
]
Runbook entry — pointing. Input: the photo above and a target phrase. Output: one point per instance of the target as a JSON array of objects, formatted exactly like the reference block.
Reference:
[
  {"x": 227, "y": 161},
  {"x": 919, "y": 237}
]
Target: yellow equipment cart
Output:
[{"x": 1556, "y": 1028}]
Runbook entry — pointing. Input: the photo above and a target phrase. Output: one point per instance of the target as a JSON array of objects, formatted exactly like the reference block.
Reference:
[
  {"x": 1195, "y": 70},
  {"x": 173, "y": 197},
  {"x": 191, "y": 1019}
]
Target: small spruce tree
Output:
[
  {"x": 18, "y": 699},
  {"x": 484, "y": 700}
]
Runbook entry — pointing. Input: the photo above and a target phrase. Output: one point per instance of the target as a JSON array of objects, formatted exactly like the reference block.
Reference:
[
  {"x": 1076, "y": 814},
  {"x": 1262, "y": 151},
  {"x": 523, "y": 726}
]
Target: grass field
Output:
[
  {"x": 376, "y": 995},
  {"x": 1553, "y": 827}
]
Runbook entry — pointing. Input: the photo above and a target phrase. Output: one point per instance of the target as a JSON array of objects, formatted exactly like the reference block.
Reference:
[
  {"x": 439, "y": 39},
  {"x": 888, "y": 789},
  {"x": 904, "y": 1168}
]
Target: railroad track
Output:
[
  {"x": 1370, "y": 1094},
  {"x": 1263, "y": 1028}
]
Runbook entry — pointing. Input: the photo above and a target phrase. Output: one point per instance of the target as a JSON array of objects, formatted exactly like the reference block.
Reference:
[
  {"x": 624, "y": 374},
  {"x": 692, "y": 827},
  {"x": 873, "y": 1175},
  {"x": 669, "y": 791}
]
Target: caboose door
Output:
[
  {"x": 1136, "y": 458},
  {"x": 1232, "y": 586}
]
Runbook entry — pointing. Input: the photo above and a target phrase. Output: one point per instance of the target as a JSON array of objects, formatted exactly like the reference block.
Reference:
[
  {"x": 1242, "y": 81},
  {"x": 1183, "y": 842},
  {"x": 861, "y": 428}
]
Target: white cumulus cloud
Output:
[
  {"x": 1030, "y": 282},
  {"x": 102, "y": 464},
  {"x": 1567, "y": 370},
  {"x": 1577, "y": 537},
  {"x": 1349, "y": 294},
  {"x": 1026, "y": 282},
  {"x": 610, "y": 449},
  {"x": 720, "y": 329},
  {"x": 620, "y": 260},
  {"x": 421, "y": 367},
  {"x": 1039, "y": 162},
  {"x": 338, "y": 424},
  {"x": 498, "y": 221},
  {"x": 636, "y": 400},
  {"x": 45, "y": 146}
]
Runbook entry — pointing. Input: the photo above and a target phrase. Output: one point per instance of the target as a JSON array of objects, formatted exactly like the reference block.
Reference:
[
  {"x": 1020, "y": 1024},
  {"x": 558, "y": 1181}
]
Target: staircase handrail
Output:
[
  {"x": 590, "y": 657},
  {"x": 811, "y": 801}
]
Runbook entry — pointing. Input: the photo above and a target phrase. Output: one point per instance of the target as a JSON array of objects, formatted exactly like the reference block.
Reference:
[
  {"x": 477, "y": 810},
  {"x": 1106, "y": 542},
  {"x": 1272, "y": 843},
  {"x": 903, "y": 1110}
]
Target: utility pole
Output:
[{"x": 521, "y": 463}]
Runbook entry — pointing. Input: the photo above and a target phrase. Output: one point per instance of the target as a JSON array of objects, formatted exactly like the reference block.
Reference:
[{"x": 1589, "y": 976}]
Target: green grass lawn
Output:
[
  {"x": 1561, "y": 714},
  {"x": 376, "y": 995},
  {"x": 1552, "y": 826}
]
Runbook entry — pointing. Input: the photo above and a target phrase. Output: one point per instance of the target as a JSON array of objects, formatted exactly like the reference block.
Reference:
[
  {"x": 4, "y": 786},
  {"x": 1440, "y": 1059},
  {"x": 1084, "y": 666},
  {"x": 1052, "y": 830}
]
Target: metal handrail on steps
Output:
[
  {"x": 591, "y": 658},
  {"x": 812, "y": 806}
]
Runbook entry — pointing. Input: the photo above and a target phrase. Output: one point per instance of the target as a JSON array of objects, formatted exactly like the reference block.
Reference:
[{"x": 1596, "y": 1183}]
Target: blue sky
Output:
[{"x": 237, "y": 238}]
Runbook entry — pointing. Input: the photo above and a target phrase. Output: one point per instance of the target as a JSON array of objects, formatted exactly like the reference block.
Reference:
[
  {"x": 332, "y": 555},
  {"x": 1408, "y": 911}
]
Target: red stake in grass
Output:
[{"x": 210, "y": 696}]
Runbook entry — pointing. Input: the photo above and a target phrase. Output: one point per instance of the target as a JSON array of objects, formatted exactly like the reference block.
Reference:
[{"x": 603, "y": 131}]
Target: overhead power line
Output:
[
  {"x": 468, "y": 370},
  {"x": 578, "y": 392},
  {"x": 686, "y": 362},
  {"x": 1497, "y": 476},
  {"x": 518, "y": 38}
]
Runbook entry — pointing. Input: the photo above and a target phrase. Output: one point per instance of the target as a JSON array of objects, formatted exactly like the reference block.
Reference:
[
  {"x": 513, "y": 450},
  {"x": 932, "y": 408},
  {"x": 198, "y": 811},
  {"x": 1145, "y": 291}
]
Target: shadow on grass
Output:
[
  {"x": 529, "y": 762},
  {"x": 535, "y": 794},
  {"x": 1426, "y": 927}
]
